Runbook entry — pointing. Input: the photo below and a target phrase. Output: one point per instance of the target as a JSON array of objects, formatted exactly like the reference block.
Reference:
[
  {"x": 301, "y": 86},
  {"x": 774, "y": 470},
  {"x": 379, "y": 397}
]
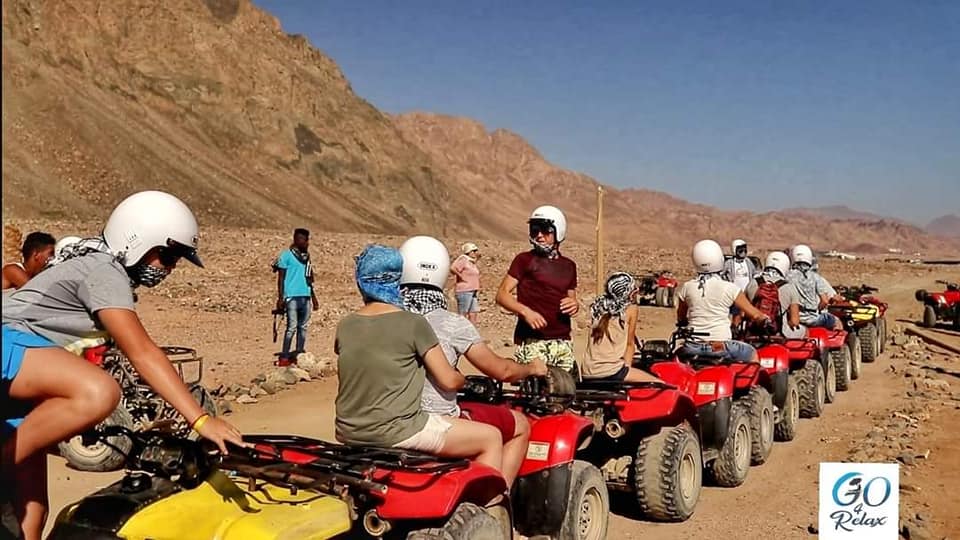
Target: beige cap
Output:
[{"x": 469, "y": 247}]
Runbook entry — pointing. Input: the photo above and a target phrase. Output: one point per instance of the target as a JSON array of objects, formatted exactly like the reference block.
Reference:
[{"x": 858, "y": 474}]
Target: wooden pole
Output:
[{"x": 601, "y": 275}]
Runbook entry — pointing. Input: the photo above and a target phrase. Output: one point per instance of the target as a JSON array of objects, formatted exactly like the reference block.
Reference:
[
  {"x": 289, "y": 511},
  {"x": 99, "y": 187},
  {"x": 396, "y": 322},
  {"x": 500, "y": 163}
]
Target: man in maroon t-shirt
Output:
[{"x": 546, "y": 285}]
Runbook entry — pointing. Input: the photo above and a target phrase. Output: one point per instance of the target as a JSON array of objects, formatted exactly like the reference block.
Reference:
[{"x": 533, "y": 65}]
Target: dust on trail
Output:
[{"x": 779, "y": 498}]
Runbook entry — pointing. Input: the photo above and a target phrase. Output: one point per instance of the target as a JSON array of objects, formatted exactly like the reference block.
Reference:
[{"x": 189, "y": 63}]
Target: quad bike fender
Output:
[
  {"x": 714, "y": 422},
  {"x": 554, "y": 441},
  {"x": 828, "y": 338},
  {"x": 712, "y": 383},
  {"x": 676, "y": 373},
  {"x": 218, "y": 508},
  {"x": 412, "y": 495},
  {"x": 653, "y": 404},
  {"x": 774, "y": 358},
  {"x": 746, "y": 375},
  {"x": 802, "y": 349},
  {"x": 540, "y": 500}
]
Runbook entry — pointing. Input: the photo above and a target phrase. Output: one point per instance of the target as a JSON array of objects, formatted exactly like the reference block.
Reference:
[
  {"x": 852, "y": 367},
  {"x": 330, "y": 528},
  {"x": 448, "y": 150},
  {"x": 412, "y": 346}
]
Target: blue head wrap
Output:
[{"x": 378, "y": 274}]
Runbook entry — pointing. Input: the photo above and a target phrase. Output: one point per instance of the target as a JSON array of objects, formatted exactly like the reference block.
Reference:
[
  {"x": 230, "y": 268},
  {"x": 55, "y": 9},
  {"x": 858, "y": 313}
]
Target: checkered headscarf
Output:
[
  {"x": 422, "y": 300},
  {"x": 614, "y": 301}
]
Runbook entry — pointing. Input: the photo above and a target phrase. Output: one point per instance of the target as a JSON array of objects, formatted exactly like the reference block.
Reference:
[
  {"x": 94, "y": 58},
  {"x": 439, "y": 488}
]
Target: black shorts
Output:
[{"x": 619, "y": 376}]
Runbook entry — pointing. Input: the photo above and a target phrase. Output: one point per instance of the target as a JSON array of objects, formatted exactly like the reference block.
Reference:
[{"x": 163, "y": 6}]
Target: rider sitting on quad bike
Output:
[
  {"x": 383, "y": 355},
  {"x": 426, "y": 264},
  {"x": 613, "y": 333},
  {"x": 51, "y": 394},
  {"x": 776, "y": 297},
  {"x": 815, "y": 291},
  {"x": 705, "y": 304}
]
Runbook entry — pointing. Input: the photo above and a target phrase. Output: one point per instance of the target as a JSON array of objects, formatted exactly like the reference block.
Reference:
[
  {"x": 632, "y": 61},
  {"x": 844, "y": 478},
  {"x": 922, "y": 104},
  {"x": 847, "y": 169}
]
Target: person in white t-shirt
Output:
[
  {"x": 739, "y": 269},
  {"x": 705, "y": 304}
]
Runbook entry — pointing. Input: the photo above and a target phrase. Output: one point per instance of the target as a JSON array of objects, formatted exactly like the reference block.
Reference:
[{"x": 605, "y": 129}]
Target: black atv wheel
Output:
[
  {"x": 883, "y": 334},
  {"x": 671, "y": 297},
  {"x": 660, "y": 297},
  {"x": 88, "y": 453},
  {"x": 956, "y": 318},
  {"x": 811, "y": 385},
  {"x": 929, "y": 317},
  {"x": 830, "y": 375},
  {"x": 468, "y": 522},
  {"x": 786, "y": 428},
  {"x": 668, "y": 474},
  {"x": 869, "y": 336},
  {"x": 841, "y": 360},
  {"x": 588, "y": 508},
  {"x": 855, "y": 348},
  {"x": 759, "y": 404},
  {"x": 731, "y": 466}
]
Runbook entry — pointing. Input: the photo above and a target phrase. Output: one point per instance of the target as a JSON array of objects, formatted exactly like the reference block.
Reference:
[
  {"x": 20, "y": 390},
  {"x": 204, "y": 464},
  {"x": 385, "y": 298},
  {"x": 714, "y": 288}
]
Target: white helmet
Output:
[
  {"x": 151, "y": 219},
  {"x": 737, "y": 243},
  {"x": 554, "y": 216},
  {"x": 707, "y": 257},
  {"x": 64, "y": 242},
  {"x": 801, "y": 253},
  {"x": 778, "y": 260},
  {"x": 425, "y": 262}
]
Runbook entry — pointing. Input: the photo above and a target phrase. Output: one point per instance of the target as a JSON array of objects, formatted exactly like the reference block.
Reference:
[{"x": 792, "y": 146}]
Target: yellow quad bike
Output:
[
  {"x": 289, "y": 488},
  {"x": 864, "y": 313}
]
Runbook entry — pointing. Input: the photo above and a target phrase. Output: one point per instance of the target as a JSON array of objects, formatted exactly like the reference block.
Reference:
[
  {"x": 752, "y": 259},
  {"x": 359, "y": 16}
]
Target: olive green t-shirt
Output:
[{"x": 380, "y": 359}]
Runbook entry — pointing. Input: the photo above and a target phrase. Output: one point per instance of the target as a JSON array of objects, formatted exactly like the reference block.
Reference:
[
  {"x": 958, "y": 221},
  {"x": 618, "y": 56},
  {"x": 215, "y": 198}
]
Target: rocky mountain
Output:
[
  {"x": 253, "y": 127},
  {"x": 507, "y": 176},
  {"x": 840, "y": 212},
  {"x": 947, "y": 226},
  {"x": 208, "y": 99}
]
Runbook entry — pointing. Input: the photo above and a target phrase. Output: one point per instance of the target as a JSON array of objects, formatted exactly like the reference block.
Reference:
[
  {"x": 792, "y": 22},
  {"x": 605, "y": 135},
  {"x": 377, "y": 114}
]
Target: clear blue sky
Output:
[{"x": 735, "y": 104}]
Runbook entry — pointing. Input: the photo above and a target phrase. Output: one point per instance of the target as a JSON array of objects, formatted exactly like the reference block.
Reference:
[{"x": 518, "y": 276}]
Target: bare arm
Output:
[
  {"x": 502, "y": 369},
  {"x": 682, "y": 312},
  {"x": 569, "y": 305},
  {"x": 153, "y": 365},
  {"x": 632, "y": 315},
  {"x": 506, "y": 299},
  {"x": 443, "y": 373},
  {"x": 281, "y": 274},
  {"x": 14, "y": 276},
  {"x": 793, "y": 315}
]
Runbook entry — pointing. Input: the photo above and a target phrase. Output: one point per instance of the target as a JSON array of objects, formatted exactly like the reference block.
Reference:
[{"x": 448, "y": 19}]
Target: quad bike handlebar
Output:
[{"x": 539, "y": 395}]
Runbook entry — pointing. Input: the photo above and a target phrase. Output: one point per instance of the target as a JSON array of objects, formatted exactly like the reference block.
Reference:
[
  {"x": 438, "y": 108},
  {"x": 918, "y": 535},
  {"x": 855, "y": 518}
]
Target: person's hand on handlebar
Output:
[{"x": 218, "y": 431}]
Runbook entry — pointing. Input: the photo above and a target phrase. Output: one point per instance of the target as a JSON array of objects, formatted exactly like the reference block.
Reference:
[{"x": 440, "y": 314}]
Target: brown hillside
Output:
[{"x": 211, "y": 100}]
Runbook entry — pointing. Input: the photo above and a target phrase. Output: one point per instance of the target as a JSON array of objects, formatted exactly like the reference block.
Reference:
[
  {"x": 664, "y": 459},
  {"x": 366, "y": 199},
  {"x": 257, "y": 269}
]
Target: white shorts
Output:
[{"x": 430, "y": 439}]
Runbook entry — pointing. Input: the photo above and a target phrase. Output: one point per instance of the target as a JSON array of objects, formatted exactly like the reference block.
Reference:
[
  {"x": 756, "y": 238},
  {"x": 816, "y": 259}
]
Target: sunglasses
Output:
[
  {"x": 541, "y": 227},
  {"x": 171, "y": 254}
]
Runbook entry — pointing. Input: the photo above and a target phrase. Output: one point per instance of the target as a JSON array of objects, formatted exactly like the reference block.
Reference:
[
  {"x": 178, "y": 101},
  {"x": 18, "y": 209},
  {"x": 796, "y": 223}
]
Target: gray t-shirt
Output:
[
  {"x": 809, "y": 287},
  {"x": 456, "y": 335},
  {"x": 61, "y": 302},
  {"x": 788, "y": 296}
]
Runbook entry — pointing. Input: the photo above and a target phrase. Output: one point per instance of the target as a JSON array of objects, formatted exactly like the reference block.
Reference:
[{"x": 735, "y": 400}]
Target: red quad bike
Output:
[
  {"x": 140, "y": 408},
  {"x": 555, "y": 494},
  {"x": 647, "y": 443},
  {"x": 287, "y": 487},
  {"x": 838, "y": 351},
  {"x": 941, "y": 306},
  {"x": 659, "y": 288},
  {"x": 776, "y": 377},
  {"x": 729, "y": 412}
]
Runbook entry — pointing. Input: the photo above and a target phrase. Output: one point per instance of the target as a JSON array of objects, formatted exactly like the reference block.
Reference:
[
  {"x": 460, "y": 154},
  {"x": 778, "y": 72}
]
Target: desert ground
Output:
[{"x": 899, "y": 410}]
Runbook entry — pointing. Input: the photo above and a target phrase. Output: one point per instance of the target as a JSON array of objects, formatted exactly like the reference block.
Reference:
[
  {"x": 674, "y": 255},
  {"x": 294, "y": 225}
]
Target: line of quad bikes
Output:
[{"x": 653, "y": 444}]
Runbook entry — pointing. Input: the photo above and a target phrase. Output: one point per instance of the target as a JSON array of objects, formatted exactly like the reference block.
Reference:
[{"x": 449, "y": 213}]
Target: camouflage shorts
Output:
[{"x": 553, "y": 352}]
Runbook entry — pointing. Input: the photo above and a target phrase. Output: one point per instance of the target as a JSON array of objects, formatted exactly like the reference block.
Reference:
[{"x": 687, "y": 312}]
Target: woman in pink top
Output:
[{"x": 468, "y": 281}]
